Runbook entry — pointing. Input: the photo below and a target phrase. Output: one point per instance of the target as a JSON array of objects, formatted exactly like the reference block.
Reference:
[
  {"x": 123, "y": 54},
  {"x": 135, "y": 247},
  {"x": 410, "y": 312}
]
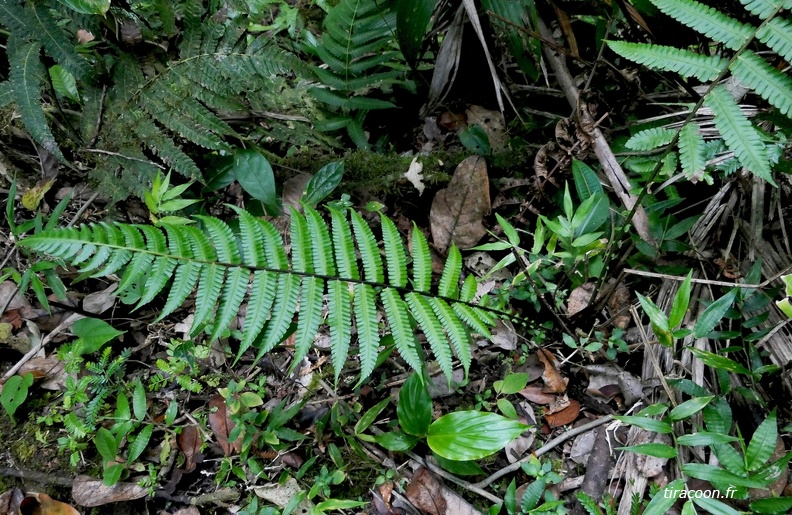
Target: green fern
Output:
[
  {"x": 357, "y": 51},
  {"x": 736, "y": 130},
  {"x": 221, "y": 266}
]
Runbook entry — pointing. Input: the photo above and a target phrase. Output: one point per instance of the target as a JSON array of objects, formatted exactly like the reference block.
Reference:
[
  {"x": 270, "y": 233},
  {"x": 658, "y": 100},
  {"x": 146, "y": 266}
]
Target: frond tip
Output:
[{"x": 227, "y": 268}]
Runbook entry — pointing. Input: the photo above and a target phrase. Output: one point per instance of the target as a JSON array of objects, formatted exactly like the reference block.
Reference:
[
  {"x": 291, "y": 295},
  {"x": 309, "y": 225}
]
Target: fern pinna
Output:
[
  {"x": 737, "y": 132},
  {"x": 227, "y": 267}
]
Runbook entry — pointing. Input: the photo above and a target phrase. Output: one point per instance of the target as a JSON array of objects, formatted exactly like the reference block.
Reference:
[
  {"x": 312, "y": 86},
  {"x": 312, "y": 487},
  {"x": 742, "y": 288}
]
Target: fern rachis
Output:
[{"x": 226, "y": 268}]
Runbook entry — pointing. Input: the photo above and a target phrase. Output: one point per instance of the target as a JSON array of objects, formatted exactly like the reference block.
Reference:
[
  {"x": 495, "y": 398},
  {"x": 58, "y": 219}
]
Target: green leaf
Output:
[
  {"x": 323, "y": 182},
  {"x": 333, "y": 505},
  {"x": 763, "y": 443},
  {"x": 650, "y": 424},
  {"x": 459, "y": 468},
  {"x": 112, "y": 474},
  {"x": 658, "y": 320},
  {"x": 683, "y": 62},
  {"x": 87, "y": 6},
  {"x": 532, "y": 495},
  {"x": 508, "y": 230},
  {"x": 412, "y": 19},
  {"x": 663, "y": 500},
  {"x": 139, "y": 401},
  {"x": 63, "y": 82},
  {"x": 591, "y": 215},
  {"x": 587, "y": 183},
  {"x": 657, "y": 450},
  {"x": 681, "y": 301},
  {"x": 137, "y": 447},
  {"x": 511, "y": 384},
  {"x": 740, "y": 136},
  {"x": 715, "y": 506},
  {"x": 713, "y": 314},
  {"x": 106, "y": 444},
  {"x": 718, "y": 475},
  {"x": 15, "y": 391},
  {"x": 415, "y": 406},
  {"x": 650, "y": 139},
  {"x": 398, "y": 442},
  {"x": 692, "y": 151},
  {"x": 94, "y": 333},
  {"x": 371, "y": 415},
  {"x": 475, "y": 139},
  {"x": 718, "y": 362},
  {"x": 255, "y": 175},
  {"x": 690, "y": 407},
  {"x": 471, "y": 435},
  {"x": 772, "y": 505},
  {"x": 704, "y": 438}
]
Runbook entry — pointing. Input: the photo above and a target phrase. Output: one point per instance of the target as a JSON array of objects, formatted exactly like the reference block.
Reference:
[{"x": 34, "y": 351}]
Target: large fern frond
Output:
[
  {"x": 225, "y": 268},
  {"x": 666, "y": 58},
  {"x": 708, "y": 21}
]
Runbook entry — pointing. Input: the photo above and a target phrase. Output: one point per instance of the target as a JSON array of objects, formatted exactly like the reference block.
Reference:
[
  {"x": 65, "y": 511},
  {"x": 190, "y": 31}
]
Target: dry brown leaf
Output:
[
  {"x": 293, "y": 191},
  {"x": 51, "y": 369},
  {"x": 192, "y": 510},
  {"x": 564, "y": 416},
  {"x": 83, "y": 36},
  {"x": 43, "y": 504},
  {"x": 87, "y": 491},
  {"x": 457, "y": 211},
  {"x": 221, "y": 425},
  {"x": 189, "y": 442},
  {"x": 537, "y": 395},
  {"x": 553, "y": 380},
  {"x": 580, "y": 298},
  {"x": 100, "y": 301},
  {"x": 425, "y": 492},
  {"x": 10, "y": 501}
]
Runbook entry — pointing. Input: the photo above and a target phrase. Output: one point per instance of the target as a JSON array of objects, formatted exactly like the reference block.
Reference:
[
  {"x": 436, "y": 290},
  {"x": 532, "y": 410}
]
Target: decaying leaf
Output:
[
  {"x": 10, "y": 501},
  {"x": 553, "y": 380},
  {"x": 415, "y": 175},
  {"x": 457, "y": 211},
  {"x": 580, "y": 298},
  {"x": 563, "y": 416},
  {"x": 221, "y": 425},
  {"x": 87, "y": 491},
  {"x": 281, "y": 495},
  {"x": 429, "y": 495},
  {"x": 493, "y": 124},
  {"x": 49, "y": 368},
  {"x": 293, "y": 191},
  {"x": 32, "y": 197},
  {"x": 189, "y": 442},
  {"x": 537, "y": 395}
]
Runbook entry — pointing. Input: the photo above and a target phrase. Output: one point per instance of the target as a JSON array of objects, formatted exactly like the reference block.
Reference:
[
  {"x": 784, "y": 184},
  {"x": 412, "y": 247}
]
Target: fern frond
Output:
[
  {"x": 708, "y": 21},
  {"x": 769, "y": 83},
  {"x": 650, "y": 139},
  {"x": 764, "y": 8},
  {"x": 777, "y": 34},
  {"x": 740, "y": 136},
  {"x": 692, "y": 150},
  {"x": 27, "y": 75},
  {"x": 666, "y": 58},
  {"x": 226, "y": 267}
]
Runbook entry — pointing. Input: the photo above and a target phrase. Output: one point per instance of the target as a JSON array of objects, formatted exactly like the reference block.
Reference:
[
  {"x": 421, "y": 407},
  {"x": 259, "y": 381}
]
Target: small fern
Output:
[
  {"x": 736, "y": 130},
  {"x": 358, "y": 52},
  {"x": 225, "y": 268}
]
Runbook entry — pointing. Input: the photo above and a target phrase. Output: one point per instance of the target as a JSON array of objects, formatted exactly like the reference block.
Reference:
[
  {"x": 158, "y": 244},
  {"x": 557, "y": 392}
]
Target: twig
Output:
[
  {"x": 544, "y": 449},
  {"x": 122, "y": 156},
  {"x": 44, "y": 341},
  {"x": 38, "y": 477},
  {"x": 82, "y": 209},
  {"x": 709, "y": 281}
]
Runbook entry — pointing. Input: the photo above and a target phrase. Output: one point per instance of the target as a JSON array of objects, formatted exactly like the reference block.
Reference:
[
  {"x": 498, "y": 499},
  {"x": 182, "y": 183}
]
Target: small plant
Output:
[
  {"x": 163, "y": 199},
  {"x": 544, "y": 476},
  {"x": 15, "y": 391}
]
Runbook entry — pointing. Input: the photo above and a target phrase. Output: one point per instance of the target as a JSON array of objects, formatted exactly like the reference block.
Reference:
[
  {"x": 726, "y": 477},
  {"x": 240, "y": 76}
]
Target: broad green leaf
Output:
[
  {"x": 650, "y": 424},
  {"x": 681, "y": 302},
  {"x": 665, "y": 498},
  {"x": 772, "y": 505},
  {"x": 106, "y": 444},
  {"x": 688, "y": 408},
  {"x": 658, "y": 320},
  {"x": 718, "y": 475},
  {"x": 334, "y": 505},
  {"x": 112, "y": 474},
  {"x": 412, "y": 20},
  {"x": 94, "y": 333},
  {"x": 657, "y": 450},
  {"x": 63, "y": 82},
  {"x": 591, "y": 215},
  {"x": 713, "y": 314},
  {"x": 587, "y": 183},
  {"x": 763, "y": 443},
  {"x": 371, "y": 415},
  {"x": 137, "y": 447},
  {"x": 323, "y": 182},
  {"x": 15, "y": 391},
  {"x": 415, "y": 406},
  {"x": 471, "y": 435},
  {"x": 87, "y": 6},
  {"x": 139, "y": 401},
  {"x": 459, "y": 468},
  {"x": 254, "y": 173},
  {"x": 719, "y": 362},
  {"x": 475, "y": 139},
  {"x": 704, "y": 438},
  {"x": 398, "y": 442},
  {"x": 715, "y": 506},
  {"x": 511, "y": 384},
  {"x": 532, "y": 495},
  {"x": 508, "y": 230}
]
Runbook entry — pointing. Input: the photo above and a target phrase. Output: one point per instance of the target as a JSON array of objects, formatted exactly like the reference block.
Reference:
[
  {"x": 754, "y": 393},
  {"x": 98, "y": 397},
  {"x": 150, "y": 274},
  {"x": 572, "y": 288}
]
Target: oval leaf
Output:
[
  {"x": 471, "y": 435},
  {"x": 415, "y": 406},
  {"x": 255, "y": 175}
]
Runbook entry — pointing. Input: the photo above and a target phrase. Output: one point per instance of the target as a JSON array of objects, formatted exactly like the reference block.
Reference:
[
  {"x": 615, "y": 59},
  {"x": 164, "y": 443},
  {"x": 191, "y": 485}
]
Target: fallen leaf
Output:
[
  {"x": 554, "y": 382},
  {"x": 425, "y": 492},
  {"x": 87, "y": 491},
  {"x": 43, "y": 504},
  {"x": 192, "y": 510},
  {"x": 100, "y": 301},
  {"x": 10, "y": 501},
  {"x": 10, "y": 297},
  {"x": 452, "y": 121},
  {"x": 189, "y": 442},
  {"x": 221, "y": 425},
  {"x": 493, "y": 124},
  {"x": 84, "y": 36},
  {"x": 564, "y": 416},
  {"x": 415, "y": 175},
  {"x": 281, "y": 495},
  {"x": 504, "y": 335},
  {"x": 537, "y": 395},
  {"x": 50, "y": 368},
  {"x": 619, "y": 305},
  {"x": 293, "y": 191},
  {"x": 32, "y": 197},
  {"x": 292, "y": 459},
  {"x": 457, "y": 211},
  {"x": 580, "y": 298}
]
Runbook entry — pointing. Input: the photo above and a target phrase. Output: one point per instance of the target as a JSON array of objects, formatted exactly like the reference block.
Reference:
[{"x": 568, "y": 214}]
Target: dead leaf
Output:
[
  {"x": 10, "y": 297},
  {"x": 457, "y": 211},
  {"x": 619, "y": 305},
  {"x": 83, "y": 36},
  {"x": 425, "y": 492},
  {"x": 10, "y": 501},
  {"x": 100, "y": 301},
  {"x": 32, "y": 197},
  {"x": 553, "y": 380},
  {"x": 580, "y": 298},
  {"x": 189, "y": 442},
  {"x": 415, "y": 175},
  {"x": 452, "y": 121},
  {"x": 293, "y": 191},
  {"x": 504, "y": 335},
  {"x": 493, "y": 124},
  {"x": 43, "y": 504},
  {"x": 221, "y": 425},
  {"x": 564, "y": 416},
  {"x": 50, "y": 368},
  {"x": 87, "y": 491},
  {"x": 192, "y": 510},
  {"x": 281, "y": 495},
  {"x": 537, "y": 395}
]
